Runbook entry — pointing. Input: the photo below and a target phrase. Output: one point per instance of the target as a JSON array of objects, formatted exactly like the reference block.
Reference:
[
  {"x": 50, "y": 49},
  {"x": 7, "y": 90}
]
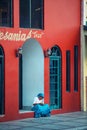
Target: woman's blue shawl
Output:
[{"x": 41, "y": 110}]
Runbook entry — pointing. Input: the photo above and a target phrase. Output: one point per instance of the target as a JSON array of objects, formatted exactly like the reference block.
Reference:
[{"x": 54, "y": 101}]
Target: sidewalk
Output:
[{"x": 68, "y": 121}]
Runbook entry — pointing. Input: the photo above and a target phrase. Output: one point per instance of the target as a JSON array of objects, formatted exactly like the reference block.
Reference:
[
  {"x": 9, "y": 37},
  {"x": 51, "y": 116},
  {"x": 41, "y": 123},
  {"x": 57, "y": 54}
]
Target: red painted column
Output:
[
  {"x": 15, "y": 13},
  {"x": 46, "y": 80}
]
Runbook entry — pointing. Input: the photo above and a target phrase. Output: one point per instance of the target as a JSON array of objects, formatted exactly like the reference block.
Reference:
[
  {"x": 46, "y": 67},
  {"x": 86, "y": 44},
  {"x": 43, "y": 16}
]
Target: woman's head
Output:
[{"x": 40, "y": 96}]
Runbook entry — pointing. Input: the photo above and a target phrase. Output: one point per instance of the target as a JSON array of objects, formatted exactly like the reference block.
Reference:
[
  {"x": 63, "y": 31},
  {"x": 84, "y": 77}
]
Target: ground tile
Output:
[
  {"x": 7, "y": 127},
  {"x": 26, "y": 124},
  {"x": 72, "y": 124},
  {"x": 77, "y": 128},
  {"x": 52, "y": 127}
]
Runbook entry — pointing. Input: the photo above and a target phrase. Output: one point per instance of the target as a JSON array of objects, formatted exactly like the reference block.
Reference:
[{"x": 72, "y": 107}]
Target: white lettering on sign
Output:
[{"x": 20, "y": 36}]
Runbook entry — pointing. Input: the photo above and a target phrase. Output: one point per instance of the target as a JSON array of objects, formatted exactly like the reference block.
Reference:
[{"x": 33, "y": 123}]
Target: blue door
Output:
[{"x": 55, "y": 79}]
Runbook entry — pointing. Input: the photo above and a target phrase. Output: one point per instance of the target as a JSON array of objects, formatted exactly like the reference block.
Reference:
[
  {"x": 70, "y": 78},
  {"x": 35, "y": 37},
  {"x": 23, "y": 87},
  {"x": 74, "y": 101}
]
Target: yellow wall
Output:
[{"x": 83, "y": 70}]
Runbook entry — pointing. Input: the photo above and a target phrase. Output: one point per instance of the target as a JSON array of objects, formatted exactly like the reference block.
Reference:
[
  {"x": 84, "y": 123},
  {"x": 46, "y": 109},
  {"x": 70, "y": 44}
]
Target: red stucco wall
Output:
[{"x": 62, "y": 28}]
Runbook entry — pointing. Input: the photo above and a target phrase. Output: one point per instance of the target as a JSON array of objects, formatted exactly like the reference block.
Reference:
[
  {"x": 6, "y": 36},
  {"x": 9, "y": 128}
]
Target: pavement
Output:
[{"x": 67, "y": 121}]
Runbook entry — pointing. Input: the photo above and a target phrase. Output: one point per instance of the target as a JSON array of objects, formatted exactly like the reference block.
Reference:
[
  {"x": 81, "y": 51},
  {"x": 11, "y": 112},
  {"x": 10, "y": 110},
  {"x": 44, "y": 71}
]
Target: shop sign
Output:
[{"x": 20, "y": 36}]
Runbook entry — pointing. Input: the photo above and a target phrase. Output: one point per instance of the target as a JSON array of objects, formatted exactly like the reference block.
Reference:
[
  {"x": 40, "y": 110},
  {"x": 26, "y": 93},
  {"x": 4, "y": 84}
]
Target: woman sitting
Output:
[{"x": 40, "y": 109}]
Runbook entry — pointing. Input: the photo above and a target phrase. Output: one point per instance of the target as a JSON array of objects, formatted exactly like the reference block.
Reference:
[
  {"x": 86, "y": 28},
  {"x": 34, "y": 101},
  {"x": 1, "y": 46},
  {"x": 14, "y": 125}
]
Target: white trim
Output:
[{"x": 23, "y": 111}]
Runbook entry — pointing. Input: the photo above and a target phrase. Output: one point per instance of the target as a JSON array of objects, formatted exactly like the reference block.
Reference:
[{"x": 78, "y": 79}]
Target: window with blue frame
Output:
[
  {"x": 31, "y": 14},
  {"x": 68, "y": 71},
  {"x": 2, "y": 91},
  {"x": 76, "y": 68},
  {"x": 6, "y": 13},
  {"x": 55, "y": 79}
]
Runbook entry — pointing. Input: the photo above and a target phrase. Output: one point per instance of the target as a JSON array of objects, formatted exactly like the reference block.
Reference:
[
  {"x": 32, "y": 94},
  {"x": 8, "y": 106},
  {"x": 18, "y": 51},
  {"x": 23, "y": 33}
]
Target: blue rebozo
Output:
[{"x": 41, "y": 110}]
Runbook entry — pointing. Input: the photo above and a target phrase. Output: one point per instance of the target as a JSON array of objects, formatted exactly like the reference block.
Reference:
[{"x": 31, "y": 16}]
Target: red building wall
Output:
[{"x": 62, "y": 28}]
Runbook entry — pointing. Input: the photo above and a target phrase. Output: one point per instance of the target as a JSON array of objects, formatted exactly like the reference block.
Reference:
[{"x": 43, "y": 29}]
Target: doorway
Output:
[
  {"x": 55, "y": 78},
  {"x": 31, "y": 73}
]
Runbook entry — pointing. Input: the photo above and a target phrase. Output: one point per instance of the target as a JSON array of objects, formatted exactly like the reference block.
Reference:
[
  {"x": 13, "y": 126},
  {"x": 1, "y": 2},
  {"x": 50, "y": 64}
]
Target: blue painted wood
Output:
[
  {"x": 55, "y": 80},
  {"x": 2, "y": 102}
]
